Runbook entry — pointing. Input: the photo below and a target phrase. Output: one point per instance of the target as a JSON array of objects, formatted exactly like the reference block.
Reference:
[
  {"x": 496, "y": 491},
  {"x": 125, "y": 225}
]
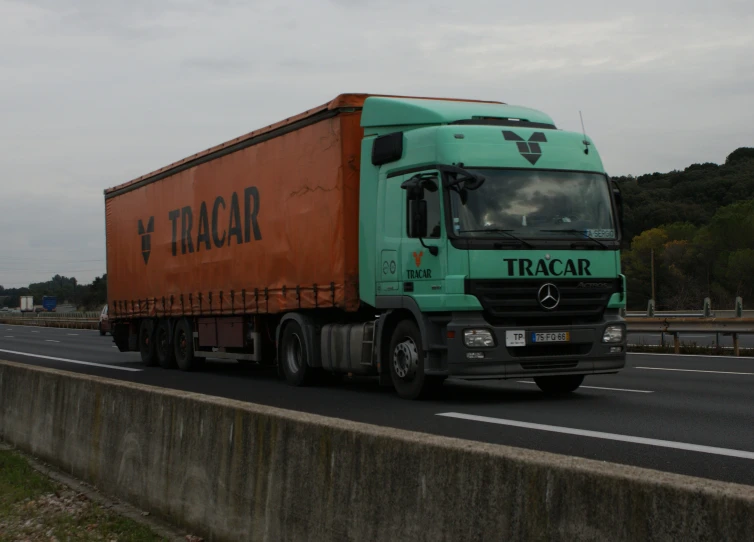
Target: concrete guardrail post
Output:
[
  {"x": 739, "y": 307},
  {"x": 651, "y": 308},
  {"x": 707, "y": 307}
]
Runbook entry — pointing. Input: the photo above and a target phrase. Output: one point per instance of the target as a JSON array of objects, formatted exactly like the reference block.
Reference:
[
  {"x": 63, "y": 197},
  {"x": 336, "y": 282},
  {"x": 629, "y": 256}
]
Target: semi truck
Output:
[
  {"x": 27, "y": 303},
  {"x": 405, "y": 238},
  {"x": 50, "y": 303}
]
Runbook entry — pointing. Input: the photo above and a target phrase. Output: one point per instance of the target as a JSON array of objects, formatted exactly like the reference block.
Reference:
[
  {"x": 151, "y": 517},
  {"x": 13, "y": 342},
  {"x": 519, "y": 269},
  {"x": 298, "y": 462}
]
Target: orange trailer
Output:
[{"x": 265, "y": 223}]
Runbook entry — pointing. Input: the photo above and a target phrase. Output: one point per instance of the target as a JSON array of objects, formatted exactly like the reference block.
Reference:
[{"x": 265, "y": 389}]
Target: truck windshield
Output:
[{"x": 534, "y": 204}]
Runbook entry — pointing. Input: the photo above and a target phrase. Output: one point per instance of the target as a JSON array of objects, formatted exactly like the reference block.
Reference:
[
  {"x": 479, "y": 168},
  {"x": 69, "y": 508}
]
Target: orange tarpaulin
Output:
[{"x": 259, "y": 224}]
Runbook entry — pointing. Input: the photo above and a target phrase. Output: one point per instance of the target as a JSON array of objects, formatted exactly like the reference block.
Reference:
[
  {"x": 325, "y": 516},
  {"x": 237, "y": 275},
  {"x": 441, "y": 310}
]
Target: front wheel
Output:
[
  {"x": 559, "y": 385},
  {"x": 406, "y": 362}
]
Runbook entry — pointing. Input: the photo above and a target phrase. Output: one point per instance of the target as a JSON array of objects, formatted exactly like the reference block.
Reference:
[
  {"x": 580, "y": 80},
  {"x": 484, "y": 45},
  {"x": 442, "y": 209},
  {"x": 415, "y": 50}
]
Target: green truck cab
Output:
[{"x": 490, "y": 242}]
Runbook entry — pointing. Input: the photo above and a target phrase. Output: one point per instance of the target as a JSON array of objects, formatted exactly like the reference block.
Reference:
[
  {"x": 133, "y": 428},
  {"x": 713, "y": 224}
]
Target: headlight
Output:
[
  {"x": 613, "y": 334},
  {"x": 478, "y": 338}
]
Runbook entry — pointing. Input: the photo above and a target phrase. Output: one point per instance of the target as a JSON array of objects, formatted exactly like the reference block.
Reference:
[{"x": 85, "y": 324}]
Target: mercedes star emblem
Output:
[{"x": 548, "y": 296}]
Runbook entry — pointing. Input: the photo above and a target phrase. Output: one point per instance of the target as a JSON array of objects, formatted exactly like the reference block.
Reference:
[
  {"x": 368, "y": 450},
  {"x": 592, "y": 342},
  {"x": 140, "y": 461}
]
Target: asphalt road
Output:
[
  {"x": 683, "y": 414},
  {"x": 691, "y": 339}
]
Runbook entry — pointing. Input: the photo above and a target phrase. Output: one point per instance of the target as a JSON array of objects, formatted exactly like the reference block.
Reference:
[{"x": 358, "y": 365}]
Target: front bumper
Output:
[{"x": 584, "y": 353}]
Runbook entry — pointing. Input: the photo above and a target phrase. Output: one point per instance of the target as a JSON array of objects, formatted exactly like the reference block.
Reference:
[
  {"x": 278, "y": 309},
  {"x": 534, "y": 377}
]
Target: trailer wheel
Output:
[
  {"x": 294, "y": 355},
  {"x": 559, "y": 385},
  {"x": 147, "y": 343},
  {"x": 164, "y": 345},
  {"x": 183, "y": 346},
  {"x": 406, "y": 362},
  {"x": 101, "y": 329}
]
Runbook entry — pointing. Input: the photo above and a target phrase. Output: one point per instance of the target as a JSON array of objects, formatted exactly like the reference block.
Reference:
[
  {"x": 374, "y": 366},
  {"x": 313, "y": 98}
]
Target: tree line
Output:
[
  {"x": 84, "y": 296},
  {"x": 697, "y": 225}
]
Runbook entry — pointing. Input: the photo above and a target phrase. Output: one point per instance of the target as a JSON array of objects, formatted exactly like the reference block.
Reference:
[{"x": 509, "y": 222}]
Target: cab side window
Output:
[{"x": 434, "y": 215}]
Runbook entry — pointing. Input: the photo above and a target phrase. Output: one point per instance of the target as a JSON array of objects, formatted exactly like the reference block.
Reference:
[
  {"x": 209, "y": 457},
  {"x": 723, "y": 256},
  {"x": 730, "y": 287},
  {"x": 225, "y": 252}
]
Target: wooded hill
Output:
[{"x": 700, "y": 224}]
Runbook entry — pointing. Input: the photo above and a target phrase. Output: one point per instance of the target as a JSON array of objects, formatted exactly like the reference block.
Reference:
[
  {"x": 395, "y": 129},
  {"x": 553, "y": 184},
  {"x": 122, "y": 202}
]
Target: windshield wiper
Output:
[
  {"x": 506, "y": 232},
  {"x": 584, "y": 234}
]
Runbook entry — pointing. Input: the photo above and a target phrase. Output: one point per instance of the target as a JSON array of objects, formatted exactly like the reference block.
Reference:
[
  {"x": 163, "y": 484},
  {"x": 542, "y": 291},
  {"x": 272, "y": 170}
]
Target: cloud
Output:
[{"x": 98, "y": 93}]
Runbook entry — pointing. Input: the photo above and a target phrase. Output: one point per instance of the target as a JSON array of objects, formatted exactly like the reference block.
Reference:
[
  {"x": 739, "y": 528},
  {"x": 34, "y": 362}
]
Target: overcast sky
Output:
[{"x": 97, "y": 92}]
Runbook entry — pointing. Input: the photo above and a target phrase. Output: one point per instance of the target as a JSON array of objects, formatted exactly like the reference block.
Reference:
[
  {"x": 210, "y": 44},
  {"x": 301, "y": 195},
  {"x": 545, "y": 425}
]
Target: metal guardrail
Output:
[
  {"x": 75, "y": 320},
  {"x": 706, "y": 312},
  {"x": 676, "y": 326},
  {"x": 688, "y": 314},
  {"x": 726, "y": 322},
  {"x": 53, "y": 315}
]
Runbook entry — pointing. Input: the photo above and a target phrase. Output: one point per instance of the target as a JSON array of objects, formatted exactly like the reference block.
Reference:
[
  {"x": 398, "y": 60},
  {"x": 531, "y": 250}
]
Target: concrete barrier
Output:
[{"x": 237, "y": 471}]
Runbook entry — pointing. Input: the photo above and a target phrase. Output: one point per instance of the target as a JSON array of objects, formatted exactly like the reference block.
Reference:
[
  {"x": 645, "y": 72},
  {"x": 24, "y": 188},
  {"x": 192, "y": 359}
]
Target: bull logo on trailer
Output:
[{"x": 146, "y": 238}]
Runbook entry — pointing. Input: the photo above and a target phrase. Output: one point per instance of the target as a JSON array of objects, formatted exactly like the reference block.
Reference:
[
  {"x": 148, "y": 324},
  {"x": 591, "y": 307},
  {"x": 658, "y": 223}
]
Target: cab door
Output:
[
  {"x": 423, "y": 273},
  {"x": 390, "y": 224}
]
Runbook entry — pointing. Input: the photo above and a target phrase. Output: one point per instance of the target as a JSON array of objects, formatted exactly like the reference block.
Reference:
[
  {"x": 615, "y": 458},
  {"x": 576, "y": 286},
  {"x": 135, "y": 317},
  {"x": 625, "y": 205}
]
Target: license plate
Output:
[
  {"x": 551, "y": 337},
  {"x": 515, "y": 338}
]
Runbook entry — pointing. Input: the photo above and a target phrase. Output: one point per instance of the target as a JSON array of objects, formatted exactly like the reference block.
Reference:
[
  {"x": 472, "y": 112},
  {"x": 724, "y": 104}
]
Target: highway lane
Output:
[
  {"x": 691, "y": 339},
  {"x": 677, "y": 402}
]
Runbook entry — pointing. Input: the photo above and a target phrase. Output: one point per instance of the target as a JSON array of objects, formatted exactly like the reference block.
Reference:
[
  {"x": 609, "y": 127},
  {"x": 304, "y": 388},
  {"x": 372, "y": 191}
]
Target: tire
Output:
[
  {"x": 294, "y": 356},
  {"x": 559, "y": 385},
  {"x": 164, "y": 345},
  {"x": 406, "y": 362},
  {"x": 101, "y": 331},
  {"x": 146, "y": 343},
  {"x": 183, "y": 346}
]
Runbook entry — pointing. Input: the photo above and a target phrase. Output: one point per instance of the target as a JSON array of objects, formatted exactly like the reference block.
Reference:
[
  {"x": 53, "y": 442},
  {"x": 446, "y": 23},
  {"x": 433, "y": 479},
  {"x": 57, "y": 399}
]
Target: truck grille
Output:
[{"x": 515, "y": 302}]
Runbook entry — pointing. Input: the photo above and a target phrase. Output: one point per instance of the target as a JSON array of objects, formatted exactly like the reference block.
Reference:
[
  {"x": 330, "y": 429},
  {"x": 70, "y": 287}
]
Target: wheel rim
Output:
[
  {"x": 405, "y": 358},
  {"x": 294, "y": 353}
]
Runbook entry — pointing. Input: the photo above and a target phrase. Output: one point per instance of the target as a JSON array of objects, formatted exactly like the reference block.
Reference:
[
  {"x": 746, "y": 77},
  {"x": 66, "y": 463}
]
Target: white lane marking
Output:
[
  {"x": 703, "y": 356},
  {"x": 607, "y": 436},
  {"x": 51, "y": 341},
  {"x": 72, "y": 334},
  {"x": 692, "y": 371},
  {"x": 131, "y": 369},
  {"x": 8, "y": 336},
  {"x": 595, "y": 387}
]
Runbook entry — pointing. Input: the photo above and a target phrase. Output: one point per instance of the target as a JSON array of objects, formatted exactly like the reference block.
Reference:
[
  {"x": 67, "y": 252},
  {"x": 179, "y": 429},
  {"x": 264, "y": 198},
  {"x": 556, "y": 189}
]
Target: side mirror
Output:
[
  {"x": 618, "y": 203},
  {"x": 464, "y": 195},
  {"x": 417, "y": 210},
  {"x": 475, "y": 183},
  {"x": 417, "y": 184}
]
